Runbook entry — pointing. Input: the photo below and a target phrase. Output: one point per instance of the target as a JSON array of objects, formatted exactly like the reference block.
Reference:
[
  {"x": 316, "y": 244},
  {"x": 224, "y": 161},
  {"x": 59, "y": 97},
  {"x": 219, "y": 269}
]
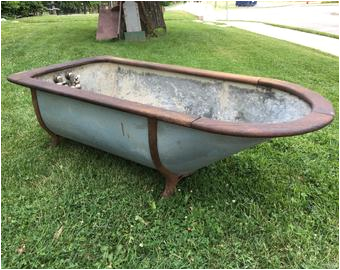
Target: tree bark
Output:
[
  {"x": 151, "y": 16},
  {"x": 85, "y": 7}
]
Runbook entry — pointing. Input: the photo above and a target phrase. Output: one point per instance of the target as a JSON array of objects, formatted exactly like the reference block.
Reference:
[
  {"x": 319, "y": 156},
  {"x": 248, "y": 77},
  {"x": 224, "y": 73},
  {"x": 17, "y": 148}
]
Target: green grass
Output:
[
  {"x": 271, "y": 206},
  {"x": 301, "y": 29},
  {"x": 311, "y": 31}
]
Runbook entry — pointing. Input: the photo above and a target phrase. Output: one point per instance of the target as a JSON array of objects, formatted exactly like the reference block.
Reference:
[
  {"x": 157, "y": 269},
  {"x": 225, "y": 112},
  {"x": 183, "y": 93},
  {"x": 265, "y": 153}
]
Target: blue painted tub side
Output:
[
  {"x": 184, "y": 150},
  {"x": 113, "y": 131}
]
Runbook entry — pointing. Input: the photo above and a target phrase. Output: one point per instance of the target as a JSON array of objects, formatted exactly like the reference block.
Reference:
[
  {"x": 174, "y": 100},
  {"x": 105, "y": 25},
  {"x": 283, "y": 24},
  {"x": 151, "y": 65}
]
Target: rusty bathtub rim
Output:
[{"x": 321, "y": 114}]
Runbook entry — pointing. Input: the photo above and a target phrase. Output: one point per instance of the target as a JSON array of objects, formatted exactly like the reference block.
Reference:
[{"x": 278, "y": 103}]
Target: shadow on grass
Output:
[{"x": 231, "y": 175}]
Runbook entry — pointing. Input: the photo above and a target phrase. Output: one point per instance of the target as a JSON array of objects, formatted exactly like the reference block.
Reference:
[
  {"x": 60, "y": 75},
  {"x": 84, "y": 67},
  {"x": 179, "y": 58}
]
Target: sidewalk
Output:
[{"x": 322, "y": 43}]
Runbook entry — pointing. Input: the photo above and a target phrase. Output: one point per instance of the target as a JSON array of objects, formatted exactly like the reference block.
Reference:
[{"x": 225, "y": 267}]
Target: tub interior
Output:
[{"x": 197, "y": 96}]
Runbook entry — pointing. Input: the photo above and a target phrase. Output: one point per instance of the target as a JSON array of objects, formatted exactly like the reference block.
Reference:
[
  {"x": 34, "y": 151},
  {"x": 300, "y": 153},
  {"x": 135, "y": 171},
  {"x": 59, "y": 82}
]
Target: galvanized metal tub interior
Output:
[{"x": 197, "y": 96}]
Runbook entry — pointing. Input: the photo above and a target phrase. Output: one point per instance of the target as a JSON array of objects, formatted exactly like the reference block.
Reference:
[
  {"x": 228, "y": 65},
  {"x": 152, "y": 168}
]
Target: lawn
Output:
[{"x": 271, "y": 206}]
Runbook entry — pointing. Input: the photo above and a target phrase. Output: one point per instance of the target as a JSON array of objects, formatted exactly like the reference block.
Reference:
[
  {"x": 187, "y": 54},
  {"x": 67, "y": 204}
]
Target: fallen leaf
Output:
[
  {"x": 21, "y": 249},
  {"x": 141, "y": 220},
  {"x": 58, "y": 233},
  {"x": 153, "y": 205}
]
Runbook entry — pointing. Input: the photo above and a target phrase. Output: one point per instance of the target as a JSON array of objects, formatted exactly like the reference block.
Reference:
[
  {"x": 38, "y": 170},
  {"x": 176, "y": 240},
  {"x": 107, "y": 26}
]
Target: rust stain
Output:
[{"x": 171, "y": 179}]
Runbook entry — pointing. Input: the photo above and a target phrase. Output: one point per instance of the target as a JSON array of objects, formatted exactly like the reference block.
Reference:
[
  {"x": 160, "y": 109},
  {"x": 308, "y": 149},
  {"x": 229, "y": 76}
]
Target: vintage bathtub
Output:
[{"x": 174, "y": 119}]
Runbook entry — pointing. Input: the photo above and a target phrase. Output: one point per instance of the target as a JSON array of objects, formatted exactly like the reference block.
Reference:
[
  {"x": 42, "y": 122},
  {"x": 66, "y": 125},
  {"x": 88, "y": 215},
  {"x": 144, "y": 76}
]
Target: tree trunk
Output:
[
  {"x": 85, "y": 7},
  {"x": 151, "y": 16},
  {"x": 54, "y": 12}
]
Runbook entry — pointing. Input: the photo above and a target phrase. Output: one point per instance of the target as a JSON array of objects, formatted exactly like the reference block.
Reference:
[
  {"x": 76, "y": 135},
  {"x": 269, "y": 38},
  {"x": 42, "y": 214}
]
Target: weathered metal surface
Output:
[
  {"x": 171, "y": 179},
  {"x": 227, "y": 101},
  {"x": 153, "y": 145},
  {"x": 131, "y": 16},
  {"x": 108, "y": 23},
  {"x": 184, "y": 150},
  {"x": 312, "y": 121},
  {"x": 134, "y": 36},
  {"x": 120, "y": 133},
  {"x": 317, "y": 102},
  {"x": 55, "y": 137},
  {"x": 132, "y": 21},
  {"x": 214, "y": 99}
]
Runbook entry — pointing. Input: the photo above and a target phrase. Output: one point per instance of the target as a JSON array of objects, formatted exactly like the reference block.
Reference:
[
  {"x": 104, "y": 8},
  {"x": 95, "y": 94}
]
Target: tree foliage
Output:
[
  {"x": 32, "y": 8},
  {"x": 21, "y": 8},
  {"x": 72, "y": 7}
]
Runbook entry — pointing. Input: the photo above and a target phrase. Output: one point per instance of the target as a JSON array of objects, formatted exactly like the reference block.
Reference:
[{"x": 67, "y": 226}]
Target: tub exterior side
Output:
[
  {"x": 184, "y": 150},
  {"x": 181, "y": 150},
  {"x": 113, "y": 131}
]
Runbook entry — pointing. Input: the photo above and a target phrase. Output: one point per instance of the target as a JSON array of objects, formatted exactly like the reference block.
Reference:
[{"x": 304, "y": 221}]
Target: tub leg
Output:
[
  {"x": 171, "y": 179},
  {"x": 55, "y": 140},
  {"x": 170, "y": 185}
]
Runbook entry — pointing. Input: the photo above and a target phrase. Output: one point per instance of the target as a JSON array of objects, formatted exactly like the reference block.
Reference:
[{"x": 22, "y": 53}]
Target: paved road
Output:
[{"x": 318, "y": 17}]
